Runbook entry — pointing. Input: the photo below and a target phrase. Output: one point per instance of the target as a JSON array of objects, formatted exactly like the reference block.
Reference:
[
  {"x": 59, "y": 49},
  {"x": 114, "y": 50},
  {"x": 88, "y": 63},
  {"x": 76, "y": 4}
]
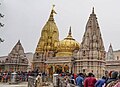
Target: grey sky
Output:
[{"x": 24, "y": 20}]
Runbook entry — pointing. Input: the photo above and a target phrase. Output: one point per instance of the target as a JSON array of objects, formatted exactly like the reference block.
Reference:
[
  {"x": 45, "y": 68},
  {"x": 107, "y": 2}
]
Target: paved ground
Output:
[
  {"x": 51, "y": 85},
  {"x": 23, "y": 84}
]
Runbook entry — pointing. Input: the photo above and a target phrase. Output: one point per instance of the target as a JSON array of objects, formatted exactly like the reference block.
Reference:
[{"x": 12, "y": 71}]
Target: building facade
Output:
[
  {"x": 112, "y": 60},
  {"x": 15, "y": 61},
  {"x": 68, "y": 55}
]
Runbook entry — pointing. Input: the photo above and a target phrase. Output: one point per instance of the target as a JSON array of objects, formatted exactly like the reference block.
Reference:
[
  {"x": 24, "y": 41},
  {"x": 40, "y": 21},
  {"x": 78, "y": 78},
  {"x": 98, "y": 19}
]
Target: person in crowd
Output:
[
  {"x": 106, "y": 75},
  {"x": 75, "y": 76},
  {"x": 111, "y": 80},
  {"x": 38, "y": 82},
  {"x": 72, "y": 79},
  {"x": 0, "y": 76},
  {"x": 67, "y": 79},
  {"x": 118, "y": 82},
  {"x": 90, "y": 80},
  {"x": 79, "y": 80},
  {"x": 100, "y": 82}
]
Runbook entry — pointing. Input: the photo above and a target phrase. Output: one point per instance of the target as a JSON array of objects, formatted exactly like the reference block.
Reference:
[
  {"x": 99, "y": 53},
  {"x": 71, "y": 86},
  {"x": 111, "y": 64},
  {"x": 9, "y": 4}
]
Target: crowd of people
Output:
[
  {"x": 111, "y": 79},
  {"x": 82, "y": 80},
  {"x": 20, "y": 76}
]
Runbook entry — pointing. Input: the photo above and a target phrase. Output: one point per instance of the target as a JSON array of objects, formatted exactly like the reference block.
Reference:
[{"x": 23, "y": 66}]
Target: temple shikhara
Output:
[
  {"x": 92, "y": 52},
  {"x": 68, "y": 55},
  {"x": 15, "y": 61}
]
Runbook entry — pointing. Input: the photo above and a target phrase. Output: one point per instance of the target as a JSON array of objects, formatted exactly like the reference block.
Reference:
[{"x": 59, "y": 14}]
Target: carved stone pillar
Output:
[
  {"x": 70, "y": 68},
  {"x": 62, "y": 68},
  {"x": 53, "y": 68}
]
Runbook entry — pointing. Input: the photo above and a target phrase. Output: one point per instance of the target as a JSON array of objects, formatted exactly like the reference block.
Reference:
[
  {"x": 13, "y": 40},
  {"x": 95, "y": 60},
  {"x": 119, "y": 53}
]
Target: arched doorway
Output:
[
  {"x": 66, "y": 68},
  {"x": 58, "y": 69}
]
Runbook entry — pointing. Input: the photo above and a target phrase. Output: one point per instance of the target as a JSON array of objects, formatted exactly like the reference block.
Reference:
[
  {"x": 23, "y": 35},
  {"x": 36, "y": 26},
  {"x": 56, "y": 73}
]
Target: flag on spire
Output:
[{"x": 53, "y": 9}]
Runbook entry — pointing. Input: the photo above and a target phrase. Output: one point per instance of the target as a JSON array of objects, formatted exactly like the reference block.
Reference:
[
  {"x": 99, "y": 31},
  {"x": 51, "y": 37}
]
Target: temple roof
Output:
[
  {"x": 18, "y": 48},
  {"x": 49, "y": 35},
  {"x": 67, "y": 46},
  {"x": 17, "y": 54},
  {"x": 92, "y": 38}
]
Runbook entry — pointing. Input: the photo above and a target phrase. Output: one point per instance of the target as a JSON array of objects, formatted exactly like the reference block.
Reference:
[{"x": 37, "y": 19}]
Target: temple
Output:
[
  {"x": 54, "y": 56},
  {"x": 16, "y": 60}
]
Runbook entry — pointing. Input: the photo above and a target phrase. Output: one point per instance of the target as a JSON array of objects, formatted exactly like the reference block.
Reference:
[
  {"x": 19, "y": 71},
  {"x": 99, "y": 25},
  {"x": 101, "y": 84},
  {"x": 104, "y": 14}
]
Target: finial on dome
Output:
[
  {"x": 93, "y": 10},
  {"x": 19, "y": 41},
  {"x": 110, "y": 45},
  {"x": 52, "y": 14},
  {"x": 70, "y": 31}
]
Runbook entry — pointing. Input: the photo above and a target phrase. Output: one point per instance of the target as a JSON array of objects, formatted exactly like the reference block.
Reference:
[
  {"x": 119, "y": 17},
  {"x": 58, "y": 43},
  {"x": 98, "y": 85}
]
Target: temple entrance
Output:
[
  {"x": 58, "y": 69},
  {"x": 66, "y": 68}
]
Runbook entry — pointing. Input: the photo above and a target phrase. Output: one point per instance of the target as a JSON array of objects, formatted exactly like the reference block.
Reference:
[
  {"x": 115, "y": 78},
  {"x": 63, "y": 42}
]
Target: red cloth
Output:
[
  {"x": 90, "y": 82},
  {"x": 75, "y": 76}
]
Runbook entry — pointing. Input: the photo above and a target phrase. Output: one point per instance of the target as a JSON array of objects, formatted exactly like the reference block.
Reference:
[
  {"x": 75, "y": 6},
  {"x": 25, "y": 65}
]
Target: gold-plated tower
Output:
[
  {"x": 49, "y": 35},
  {"x": 47, "y": 43}
]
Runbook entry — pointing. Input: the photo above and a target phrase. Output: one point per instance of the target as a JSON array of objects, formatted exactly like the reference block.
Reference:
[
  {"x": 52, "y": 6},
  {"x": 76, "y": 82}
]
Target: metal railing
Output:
[{"x": 59, "y": 81}]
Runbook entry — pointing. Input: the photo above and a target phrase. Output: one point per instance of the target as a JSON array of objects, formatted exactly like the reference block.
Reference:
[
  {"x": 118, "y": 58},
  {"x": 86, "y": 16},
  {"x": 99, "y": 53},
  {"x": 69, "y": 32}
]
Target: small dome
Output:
[{"x": 68, "y": 44}]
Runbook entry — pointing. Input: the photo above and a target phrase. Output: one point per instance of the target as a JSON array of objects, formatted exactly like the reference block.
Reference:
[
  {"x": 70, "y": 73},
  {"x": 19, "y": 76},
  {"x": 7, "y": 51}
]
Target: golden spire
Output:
[
  {"x": 69, "y": 34},
  {"x": 51, "y": 18}
]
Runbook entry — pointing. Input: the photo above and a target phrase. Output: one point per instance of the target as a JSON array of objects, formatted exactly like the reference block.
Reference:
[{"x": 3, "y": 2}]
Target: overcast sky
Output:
[{"x": 24, "y": 20}]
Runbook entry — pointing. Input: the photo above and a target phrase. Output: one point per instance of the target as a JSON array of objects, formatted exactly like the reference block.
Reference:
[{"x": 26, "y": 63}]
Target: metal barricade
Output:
[
  {"x": 31, "y": 81},
  {"x": 55, "y": 80},
  {"x": 62, "y": 83}
]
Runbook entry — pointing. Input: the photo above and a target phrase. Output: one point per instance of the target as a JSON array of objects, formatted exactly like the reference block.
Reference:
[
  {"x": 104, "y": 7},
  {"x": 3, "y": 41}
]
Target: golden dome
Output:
[{"x": 67, "y": 46}]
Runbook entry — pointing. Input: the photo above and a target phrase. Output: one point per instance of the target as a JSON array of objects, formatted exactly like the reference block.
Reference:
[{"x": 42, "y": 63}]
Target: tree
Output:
[{"x": 1, "y": 25}]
